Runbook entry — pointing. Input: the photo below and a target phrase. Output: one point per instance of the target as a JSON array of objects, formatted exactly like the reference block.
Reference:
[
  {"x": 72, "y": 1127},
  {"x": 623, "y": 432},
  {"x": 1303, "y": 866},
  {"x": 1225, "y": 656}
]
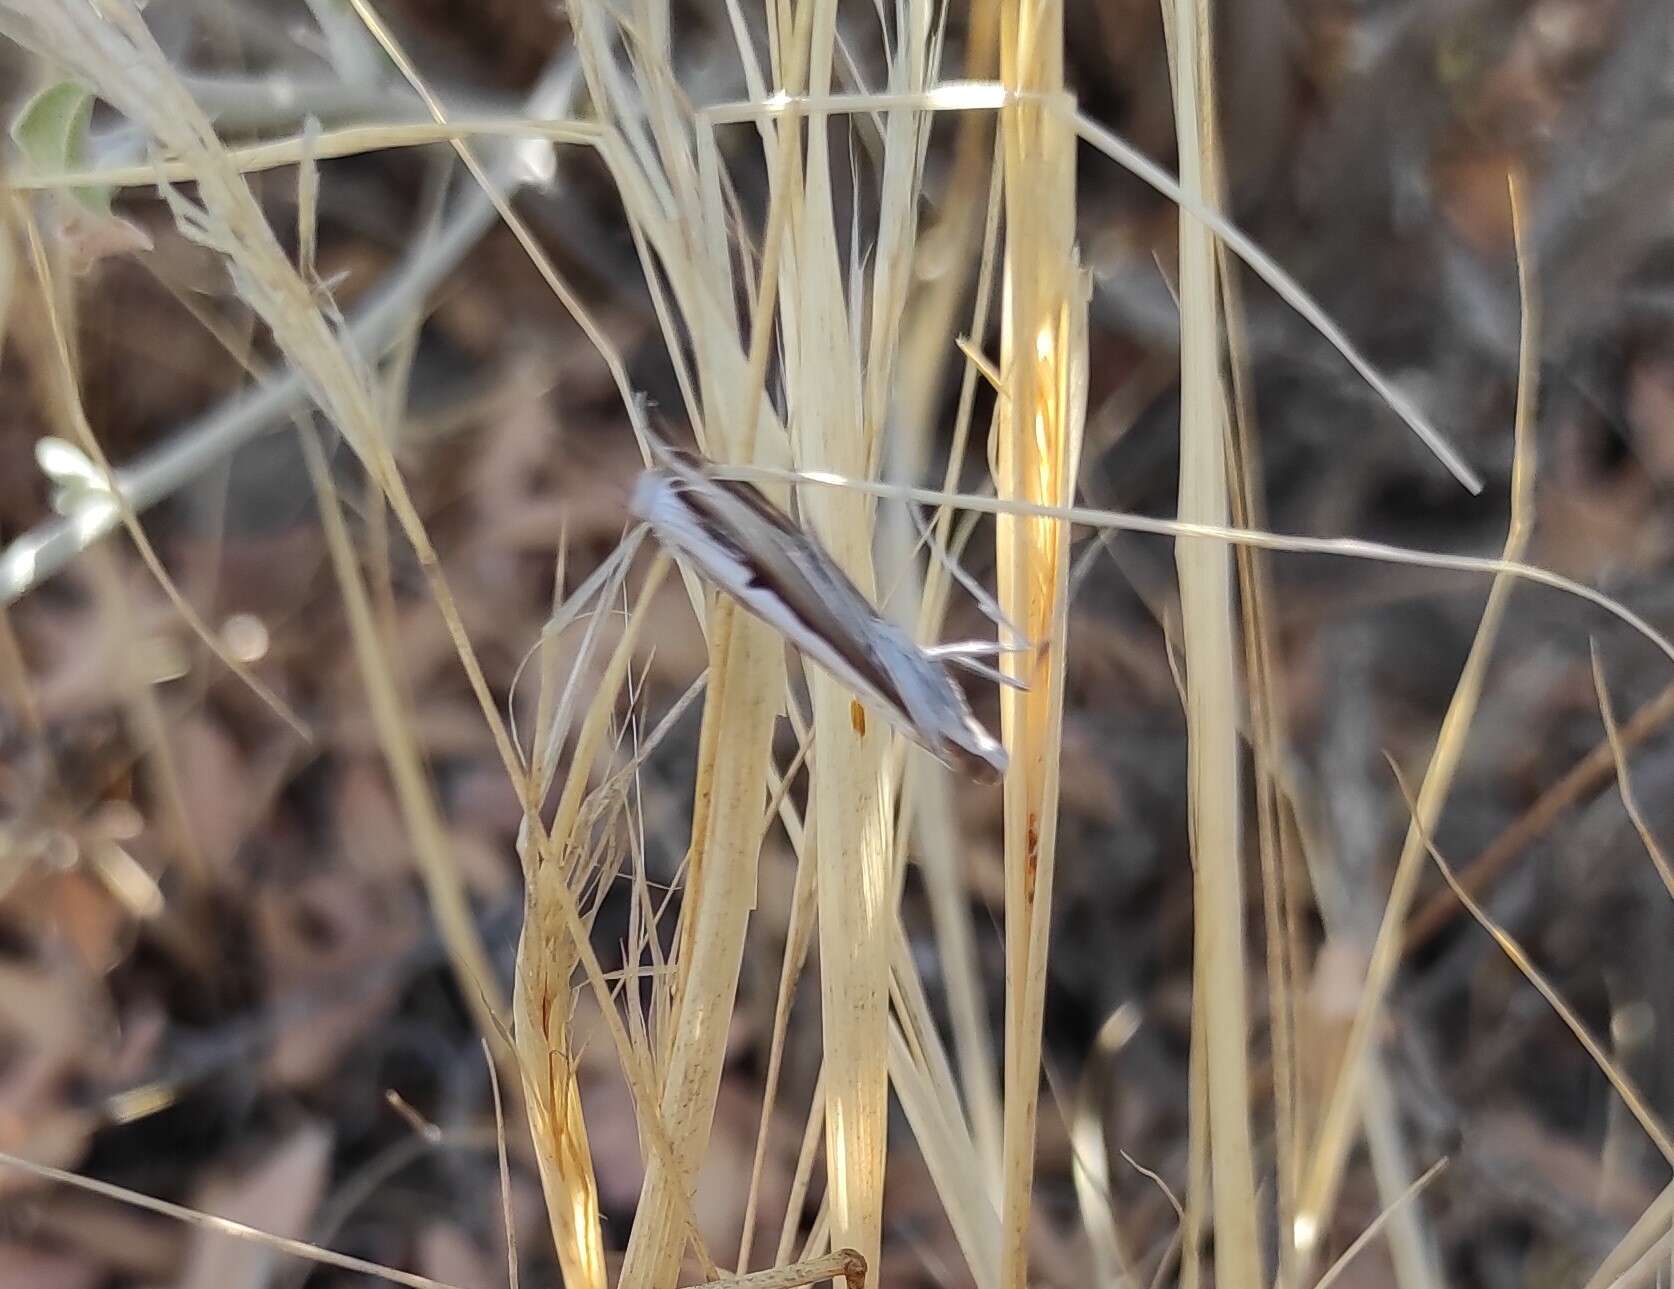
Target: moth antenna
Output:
[
  {"x": 989, "y": 606},
  {"x": 663, "y": 454},
  {"x": 652, "y": 444}
]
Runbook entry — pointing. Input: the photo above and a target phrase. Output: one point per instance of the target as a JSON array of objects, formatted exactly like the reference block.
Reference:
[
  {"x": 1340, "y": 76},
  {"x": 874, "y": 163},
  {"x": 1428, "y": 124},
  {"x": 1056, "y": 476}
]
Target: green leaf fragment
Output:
[{"x": 51, "y": 130}]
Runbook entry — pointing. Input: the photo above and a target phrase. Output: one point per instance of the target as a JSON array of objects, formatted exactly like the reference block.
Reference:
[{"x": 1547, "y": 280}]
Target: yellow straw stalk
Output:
[{"x": 1038, "y": 448}]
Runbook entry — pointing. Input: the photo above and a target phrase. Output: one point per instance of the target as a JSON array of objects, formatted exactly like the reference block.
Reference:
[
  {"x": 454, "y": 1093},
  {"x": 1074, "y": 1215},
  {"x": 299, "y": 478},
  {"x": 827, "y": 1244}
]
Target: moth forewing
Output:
[
  {"x": 751, "y": 562},
  {"x": 656, "y": 499},
  {"x": 753, "y": 551}
]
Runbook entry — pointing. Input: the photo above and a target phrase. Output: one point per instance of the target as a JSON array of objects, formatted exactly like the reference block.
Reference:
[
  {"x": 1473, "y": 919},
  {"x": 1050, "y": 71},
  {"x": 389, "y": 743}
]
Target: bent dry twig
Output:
[{"x": 372, "y": 329}]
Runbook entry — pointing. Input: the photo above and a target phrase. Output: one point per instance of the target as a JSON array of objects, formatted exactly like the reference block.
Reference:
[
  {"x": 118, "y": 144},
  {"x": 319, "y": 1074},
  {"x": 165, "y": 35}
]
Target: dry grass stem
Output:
[
  {"x": 1268, "y": 270},
  {"x": 222, "y": 1226},
  {"x": 720, "y": 894},
  {"x": 1040, "y": 415},
  {"x": 1631, "y": 1097},
  {"x": 507, "y": 1218},
  {"x": 1650, "y": 1268},
  {"x": 327, "y": 145},
  {"x": 688, "y": 265},
  {"x": 559, "y": 865},
  {"x": 1212, "y": 698},
  {"x": 1334, "y": 1136},
  {"x": 1341, "y": 547},
  {"x": 1582, "y": 779},
  {"x": 421, "y": 812},
  {"x": 1646, "y": 1238},
  {"x": 109, "y": 495},
  {"x": 150, "y": 727},
  {"x": 796, "y": 1198},
  {"x": 1284, "y": 875},
  {"x": 931, "y": 821},
  {"x": 951, "y": 1158},
  {"x": 844, "y": 1263},
  {"x": 111, "y": 47},
  {"x": 526, "y": 239},
  {"x": 807, "y": 325},
  {"x": 1091, "y": 1164},
  {"x": 1630, "y": 799},
  {"x": 1348, "y": 1255},
  {"x": 799, "y": 937}
]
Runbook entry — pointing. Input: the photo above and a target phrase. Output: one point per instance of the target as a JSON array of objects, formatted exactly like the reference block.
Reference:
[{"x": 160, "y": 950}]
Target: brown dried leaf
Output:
[
  {"x": 82, "y": 913},
  {"x": 123, "y": 1241},
  {"x": 444, "y": 728},
  {"x": 55, "y": 1135},
  {"x": 215, "y": 786},
  {"x": 329, "y": 946},
  {"x": 482, "y": 798},
  {"x": 278, "y": 1195},
  {"x": 22, "y": 1267},
  {"x": 48, "y": 1023},
  {"x": 483, "y": 864},
  {"x": 368, "y": 824},
  {"x": 447, "y": 1253},
  {"x": 1650, "y": 411}
]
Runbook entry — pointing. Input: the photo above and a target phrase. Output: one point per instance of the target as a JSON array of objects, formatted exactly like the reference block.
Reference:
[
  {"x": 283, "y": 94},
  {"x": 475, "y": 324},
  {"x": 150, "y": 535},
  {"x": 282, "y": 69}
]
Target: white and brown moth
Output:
[{"x": 754, "y": 552}]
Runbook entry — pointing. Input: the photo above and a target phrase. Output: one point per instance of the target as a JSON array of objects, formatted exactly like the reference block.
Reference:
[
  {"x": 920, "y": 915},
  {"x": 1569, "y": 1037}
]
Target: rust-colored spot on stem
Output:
[
  {"x": 1031, "y": 858},
  {"x": 857, "y": 717}
]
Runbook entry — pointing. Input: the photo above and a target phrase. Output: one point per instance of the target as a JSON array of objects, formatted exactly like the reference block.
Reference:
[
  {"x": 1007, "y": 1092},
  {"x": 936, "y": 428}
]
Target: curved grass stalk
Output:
[{"x": 1341, "y": 547}]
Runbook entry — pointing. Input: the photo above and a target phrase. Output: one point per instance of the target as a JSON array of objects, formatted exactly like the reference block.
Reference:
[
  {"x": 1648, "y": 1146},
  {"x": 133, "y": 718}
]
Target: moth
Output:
[{"x": 754, "y": 552}]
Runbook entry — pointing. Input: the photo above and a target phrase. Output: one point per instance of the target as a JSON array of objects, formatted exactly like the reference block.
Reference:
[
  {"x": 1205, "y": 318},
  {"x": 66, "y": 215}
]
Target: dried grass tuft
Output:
[{"x": 830, "y": 371}]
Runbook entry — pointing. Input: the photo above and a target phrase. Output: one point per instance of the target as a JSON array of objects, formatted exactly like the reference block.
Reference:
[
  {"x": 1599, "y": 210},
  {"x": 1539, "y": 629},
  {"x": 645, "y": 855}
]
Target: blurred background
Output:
[{"x": 220, "y": 981}]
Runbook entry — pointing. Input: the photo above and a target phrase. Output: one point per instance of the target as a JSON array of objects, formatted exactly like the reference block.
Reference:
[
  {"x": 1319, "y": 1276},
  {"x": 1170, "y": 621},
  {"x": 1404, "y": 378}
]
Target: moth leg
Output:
[
  {"x": 984, "y": 670},
  {"x": 972, "y": 649},
  {"x": 984, "y": 601}
]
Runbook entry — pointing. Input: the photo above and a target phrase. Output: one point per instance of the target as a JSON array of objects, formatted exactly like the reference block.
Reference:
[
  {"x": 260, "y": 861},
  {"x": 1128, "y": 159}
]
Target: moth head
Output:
[
  {"x": 653, "y": 491},
  {"x": 973, "y": 751},
  {"x": 939, "y": 716}
]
